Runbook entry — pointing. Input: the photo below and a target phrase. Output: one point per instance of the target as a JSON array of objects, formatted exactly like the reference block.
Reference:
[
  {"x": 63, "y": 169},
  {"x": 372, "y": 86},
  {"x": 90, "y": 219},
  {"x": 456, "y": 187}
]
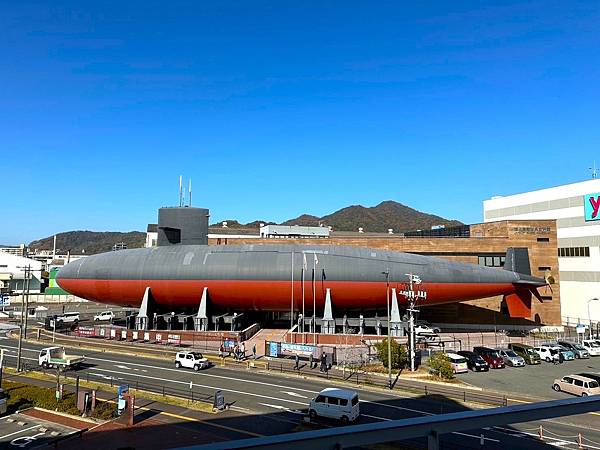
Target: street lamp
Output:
[
  {"x": 589, "y": 315},
  {"x": 389, "y": 344}
]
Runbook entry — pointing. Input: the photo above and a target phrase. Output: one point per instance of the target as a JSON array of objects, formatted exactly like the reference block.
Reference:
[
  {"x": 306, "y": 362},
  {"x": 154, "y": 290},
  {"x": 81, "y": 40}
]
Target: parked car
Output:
[
  {"x": 491, "y": 356},
  {"x": 458, "y": 362},
  {"x": 426, "y": 329},
  {"x": 577, "y": 385},
  {"x": 191, "y": 360},
  {"x": 428, "y": 324},
  {"x": 578, "y": 350},
  {"x": 548, "y": 354},
  {"x": 340, "y": 404},
  {"x": 474, "y": 362},
  {"x": 511, "y": 358},
  {"x": 592, "y": 346},
  {"x": 104, "y": 316},
  {"x": 568, "y": 355},
  {"x": 526, "y": 352}
]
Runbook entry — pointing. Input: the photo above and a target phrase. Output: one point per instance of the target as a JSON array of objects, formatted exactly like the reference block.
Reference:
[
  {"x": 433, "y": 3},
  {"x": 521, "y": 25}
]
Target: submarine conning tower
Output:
[{"x": 182, "y": 225}]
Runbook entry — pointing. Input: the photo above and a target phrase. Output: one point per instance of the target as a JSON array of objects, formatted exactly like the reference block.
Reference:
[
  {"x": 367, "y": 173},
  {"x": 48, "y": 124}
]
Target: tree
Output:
[
  {"x": 399, "y": 354},
  {"x": 440, "y": 364}
]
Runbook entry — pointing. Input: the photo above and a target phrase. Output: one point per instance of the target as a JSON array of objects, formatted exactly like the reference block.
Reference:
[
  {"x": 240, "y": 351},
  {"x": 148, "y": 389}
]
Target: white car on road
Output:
[
  {"x": 191, "y": 360},
  {"x": 104, "y": 316}
]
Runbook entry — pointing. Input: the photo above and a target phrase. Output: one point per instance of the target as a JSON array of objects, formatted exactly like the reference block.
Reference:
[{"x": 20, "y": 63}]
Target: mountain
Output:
[
  {"x": 90, "y": 241},
  {"x": 380, "y": 218}
]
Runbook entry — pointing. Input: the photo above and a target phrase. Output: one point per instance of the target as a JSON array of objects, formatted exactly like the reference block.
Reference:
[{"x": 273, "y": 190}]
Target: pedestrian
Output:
[
  {"x": 561, "y": 357},
  {"x": 297, "y": 359},
  {"x": 323, "y": 363},
  {"x": 310, "y": 361},
  {"x": 555, "y": 357},
  {"x": 253, "y": 351},
  {"x": 221, "y": 351},
  {"x": 242, "y": 351},
  {"x": 236, "y": 352}
]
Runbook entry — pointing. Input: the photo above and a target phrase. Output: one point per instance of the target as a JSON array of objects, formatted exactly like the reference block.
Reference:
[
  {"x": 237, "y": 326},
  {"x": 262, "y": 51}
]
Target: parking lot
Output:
[
  {"x": 532, "y": 381},
  {"x": 22, "y": 431}
]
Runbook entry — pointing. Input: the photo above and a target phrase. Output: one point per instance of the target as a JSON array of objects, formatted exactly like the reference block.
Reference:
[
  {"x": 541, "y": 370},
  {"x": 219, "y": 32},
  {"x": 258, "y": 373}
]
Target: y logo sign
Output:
[{"x": 592, "y": 207}]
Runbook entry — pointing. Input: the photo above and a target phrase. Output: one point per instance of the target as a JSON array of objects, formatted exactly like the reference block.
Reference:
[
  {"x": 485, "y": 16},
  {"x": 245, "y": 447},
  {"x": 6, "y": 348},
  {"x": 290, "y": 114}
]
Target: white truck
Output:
[{"x": 57, "y": 357}]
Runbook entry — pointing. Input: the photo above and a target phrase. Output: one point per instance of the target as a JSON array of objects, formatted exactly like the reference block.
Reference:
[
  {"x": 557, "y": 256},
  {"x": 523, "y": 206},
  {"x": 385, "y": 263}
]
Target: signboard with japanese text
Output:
[{"x": 591, "y": 206}]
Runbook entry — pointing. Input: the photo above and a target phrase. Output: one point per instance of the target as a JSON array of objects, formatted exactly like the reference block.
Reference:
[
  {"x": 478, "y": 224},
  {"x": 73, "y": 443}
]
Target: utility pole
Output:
[
  {"x": 23, "y": 315},
  {"x": 412, "y": 297},
  {"x": 389, "y": 343}
]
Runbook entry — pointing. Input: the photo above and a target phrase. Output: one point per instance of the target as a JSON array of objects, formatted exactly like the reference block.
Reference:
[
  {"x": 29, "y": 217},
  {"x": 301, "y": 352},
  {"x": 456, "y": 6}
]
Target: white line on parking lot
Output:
[{"x": 18, "y": 432}]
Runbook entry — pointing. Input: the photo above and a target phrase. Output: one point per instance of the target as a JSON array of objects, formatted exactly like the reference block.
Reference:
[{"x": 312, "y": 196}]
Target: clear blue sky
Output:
[{"x": 280, "y": 108}]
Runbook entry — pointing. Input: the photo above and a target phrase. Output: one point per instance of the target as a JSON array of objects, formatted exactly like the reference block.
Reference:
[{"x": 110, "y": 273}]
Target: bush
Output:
[
  {"x": 105, "y": 411},
  {"x": 21, "y": 396},
  {"x": 398, "y": 352},
  {"x": 440, "y": 364}
]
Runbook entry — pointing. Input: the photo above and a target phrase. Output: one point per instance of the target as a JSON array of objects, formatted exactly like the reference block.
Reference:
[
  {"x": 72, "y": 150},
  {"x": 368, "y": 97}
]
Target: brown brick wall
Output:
[{"x": 486, "y": 238}]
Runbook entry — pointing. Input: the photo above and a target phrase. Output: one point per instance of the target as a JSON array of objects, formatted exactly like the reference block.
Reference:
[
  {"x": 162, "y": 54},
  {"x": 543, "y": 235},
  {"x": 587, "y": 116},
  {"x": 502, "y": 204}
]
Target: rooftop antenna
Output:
[
  {"x": 190, "y": 194},
  {"x": 180, "y": 191},
  {"x": 594, "y": 170}
]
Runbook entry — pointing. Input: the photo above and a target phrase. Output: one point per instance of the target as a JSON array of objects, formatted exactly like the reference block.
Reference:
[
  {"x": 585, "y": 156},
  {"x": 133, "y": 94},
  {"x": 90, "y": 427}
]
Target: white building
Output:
[
  {"x": 293, "y": 231},
  {"x": 151, "y": 235},
  {"x": 576, "y": 208},
  {"x": 12, "y": 273}
]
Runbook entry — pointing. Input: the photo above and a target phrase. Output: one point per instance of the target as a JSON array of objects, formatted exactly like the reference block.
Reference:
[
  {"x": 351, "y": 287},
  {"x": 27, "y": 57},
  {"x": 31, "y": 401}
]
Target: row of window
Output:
[
  {"x": 569, "y": 252},
  {"x": 492, "y": 261}
]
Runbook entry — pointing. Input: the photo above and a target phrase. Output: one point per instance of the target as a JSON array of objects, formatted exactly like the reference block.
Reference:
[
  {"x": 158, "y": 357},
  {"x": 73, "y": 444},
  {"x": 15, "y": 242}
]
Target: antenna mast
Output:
[
  {"x": 594, "y": 170},
  {"x": 180, "y": 191},
  {"x": 190, "y": 194}
]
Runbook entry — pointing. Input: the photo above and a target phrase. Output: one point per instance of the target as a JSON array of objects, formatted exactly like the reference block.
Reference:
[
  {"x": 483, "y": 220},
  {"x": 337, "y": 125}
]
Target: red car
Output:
[{"x": 490, "y": 356}]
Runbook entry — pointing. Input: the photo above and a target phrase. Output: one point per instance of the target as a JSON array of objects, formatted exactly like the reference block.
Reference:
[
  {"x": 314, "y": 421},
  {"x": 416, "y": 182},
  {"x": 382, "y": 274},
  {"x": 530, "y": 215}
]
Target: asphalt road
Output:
[{"x": 266, "y": 404}]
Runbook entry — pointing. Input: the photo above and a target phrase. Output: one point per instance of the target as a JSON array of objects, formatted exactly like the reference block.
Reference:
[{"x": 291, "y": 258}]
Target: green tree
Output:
[
  {"x": 399, "y": 354},
  {"x": 440, "y": 364}
]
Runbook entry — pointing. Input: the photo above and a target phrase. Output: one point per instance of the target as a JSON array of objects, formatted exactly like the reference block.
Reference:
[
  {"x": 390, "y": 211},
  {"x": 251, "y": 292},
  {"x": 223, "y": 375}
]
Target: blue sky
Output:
[{"x": 275, "y": 109}]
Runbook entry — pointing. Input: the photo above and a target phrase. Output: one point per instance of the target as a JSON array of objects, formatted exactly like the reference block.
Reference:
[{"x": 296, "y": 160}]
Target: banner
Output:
[
  {"x": 299, "y": 349},
  {"x": 174, "y": 339},
  {"x": 86, "y": 331}
]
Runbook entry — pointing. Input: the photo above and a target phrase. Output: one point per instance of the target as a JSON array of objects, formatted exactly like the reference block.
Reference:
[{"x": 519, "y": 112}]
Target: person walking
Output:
[
  {"x": 297, "y": 359},
  {"x": 221, "y": 351},
  {"x": 236, "y": 352},
  {"x": 561, "y": 357},
  {"x": 253, "y": 351},
  {"x": 310, "y": 361},
  {"x": 323, "y": 363}
]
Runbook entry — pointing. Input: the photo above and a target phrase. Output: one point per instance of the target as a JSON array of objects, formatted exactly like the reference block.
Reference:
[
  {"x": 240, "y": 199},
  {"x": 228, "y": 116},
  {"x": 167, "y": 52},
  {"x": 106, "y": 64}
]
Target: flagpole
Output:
[
  {"x": 314, "y": 279},
  {"x": 292, "y": 307},
  {"x": 303, "y": 313}
]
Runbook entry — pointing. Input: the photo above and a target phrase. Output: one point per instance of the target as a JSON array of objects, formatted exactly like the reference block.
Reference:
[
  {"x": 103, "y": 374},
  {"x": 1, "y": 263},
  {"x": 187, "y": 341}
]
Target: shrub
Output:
[
  {"x": 105, "y": 411},
  {"x": 21, "y": 396},
  {"x": 398, "y": 352},
  {"x": 440, "y": 364}
]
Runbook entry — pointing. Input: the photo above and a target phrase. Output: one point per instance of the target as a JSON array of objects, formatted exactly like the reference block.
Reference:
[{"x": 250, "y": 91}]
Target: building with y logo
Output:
[{"x": 576, "y": 208}]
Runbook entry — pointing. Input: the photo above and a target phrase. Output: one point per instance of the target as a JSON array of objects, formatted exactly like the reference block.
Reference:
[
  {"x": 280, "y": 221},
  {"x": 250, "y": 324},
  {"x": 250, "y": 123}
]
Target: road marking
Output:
[
  {"x": 283, "y": 408},
  {"x": 20, "y": 431},
  {"x": 425, "y": 413},
  {"x": 293, "y": 394},
  {"x": 234, "y": 391},
  {"x": 212, "y": 424}
]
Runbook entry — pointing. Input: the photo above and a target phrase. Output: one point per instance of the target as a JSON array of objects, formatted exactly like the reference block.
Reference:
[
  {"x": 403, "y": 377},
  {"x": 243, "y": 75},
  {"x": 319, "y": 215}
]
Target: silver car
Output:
[
  {"x": 578, "y": 350},
  {"x": 511, "y": 358}
]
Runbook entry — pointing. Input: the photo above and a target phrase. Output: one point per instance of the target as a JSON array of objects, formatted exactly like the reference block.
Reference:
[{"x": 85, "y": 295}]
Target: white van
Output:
[
  {"x": 458, "y": 362},
  {"x": 340, "y": 404}
]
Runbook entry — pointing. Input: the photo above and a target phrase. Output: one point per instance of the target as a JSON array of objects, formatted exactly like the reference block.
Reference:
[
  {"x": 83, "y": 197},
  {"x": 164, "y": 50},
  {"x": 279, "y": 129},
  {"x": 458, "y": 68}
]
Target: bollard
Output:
[{"x": 541, "y": 432}]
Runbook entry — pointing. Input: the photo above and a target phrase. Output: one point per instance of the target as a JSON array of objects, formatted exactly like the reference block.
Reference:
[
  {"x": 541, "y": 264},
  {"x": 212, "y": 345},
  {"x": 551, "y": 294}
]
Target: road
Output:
[{"x": 265, "y": 403}]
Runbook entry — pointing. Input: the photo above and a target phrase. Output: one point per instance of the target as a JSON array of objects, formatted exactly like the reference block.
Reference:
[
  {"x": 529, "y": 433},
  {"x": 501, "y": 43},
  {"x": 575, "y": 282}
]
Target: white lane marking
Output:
[
  {"x": 122, "y": 367},
  {"x": 536, "y": 436},
  {"x": 425, "y": 413},
  {"x": 233, "y": 391},
  {"x": 293, "y": 394},
  {"x": 282, "y": 408},
  {"x": 17, "y": 432},
  {"x": 106, "y": 377}
]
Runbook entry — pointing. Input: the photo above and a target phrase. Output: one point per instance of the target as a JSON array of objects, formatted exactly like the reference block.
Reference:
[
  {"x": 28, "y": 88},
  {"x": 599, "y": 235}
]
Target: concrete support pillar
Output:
[
  {"x": 328, "y": 324},
  {"x": 300, "y": 323},
  {"x": 201, "y": 319},
  {"x": 395, "y": 320},
  {"x": 142, "y": 320}
]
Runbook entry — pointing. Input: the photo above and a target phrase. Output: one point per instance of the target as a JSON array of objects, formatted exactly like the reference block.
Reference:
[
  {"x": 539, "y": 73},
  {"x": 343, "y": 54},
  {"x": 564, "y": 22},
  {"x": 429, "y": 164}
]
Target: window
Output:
[
  {"x": 320, "y": 399},
  {"x": 491, "y": 261},
  {"x": 333, "y": 401},
  {"x": 544, "y": 268},
  {"x": 355, "y": 400},
  {"x": 574, "y": 252},
  {"x": 578, "y": 383},
  {"x": 568, "y": 380},
  {"x": 343, "y": 402},
  {"x": 543, "y": 239}
]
